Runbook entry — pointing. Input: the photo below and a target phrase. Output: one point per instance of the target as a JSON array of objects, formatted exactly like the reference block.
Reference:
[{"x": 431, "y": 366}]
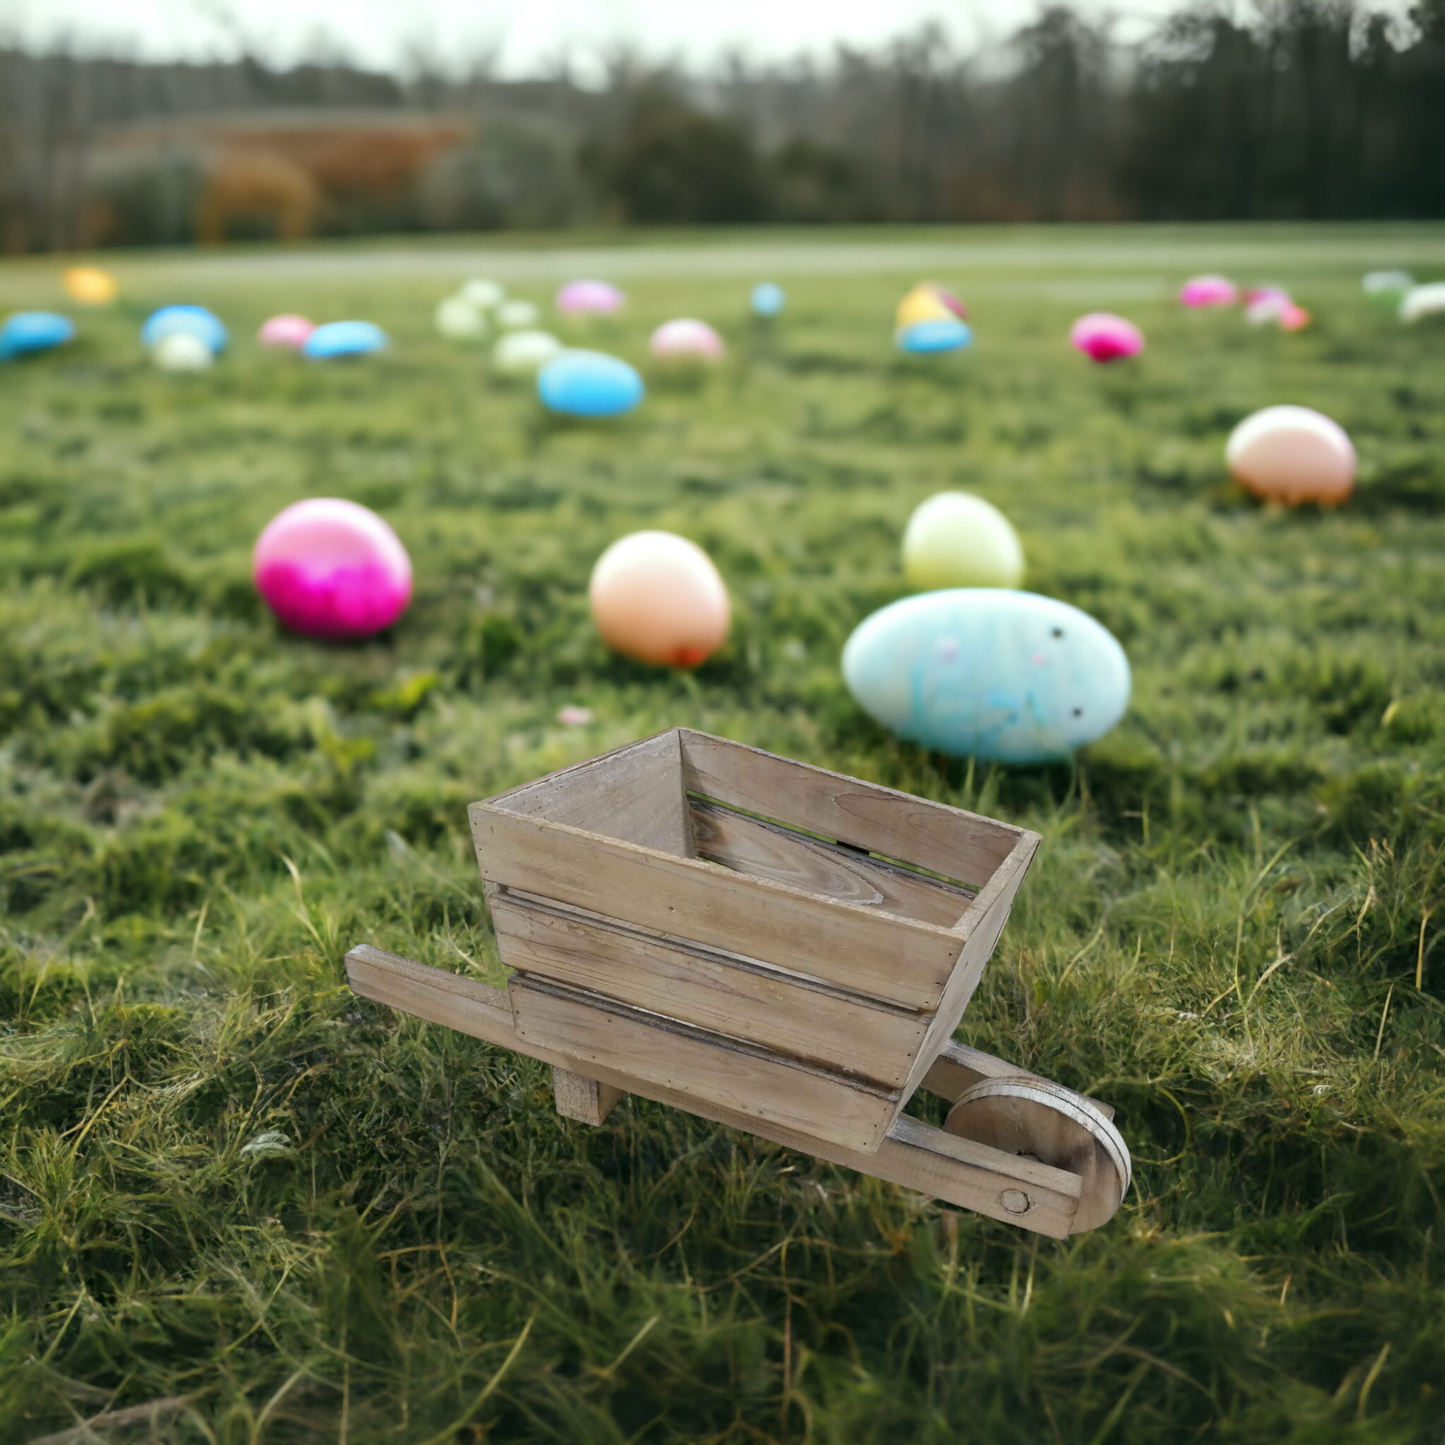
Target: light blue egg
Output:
[
  {"x": 184, "y": 320},
  {"x": 1011, "y": 677},
  {"x": 768, "y": 299},
  {"x": 344, "y": 338},
  {"x": 30, "y": 331},
  {"x": 587, "y": 383},
  {"x": 925, "y": 337}
]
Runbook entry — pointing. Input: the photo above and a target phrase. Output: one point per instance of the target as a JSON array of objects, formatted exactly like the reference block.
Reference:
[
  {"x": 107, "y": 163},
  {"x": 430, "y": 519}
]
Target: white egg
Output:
[{"x": 180, "y": 351}]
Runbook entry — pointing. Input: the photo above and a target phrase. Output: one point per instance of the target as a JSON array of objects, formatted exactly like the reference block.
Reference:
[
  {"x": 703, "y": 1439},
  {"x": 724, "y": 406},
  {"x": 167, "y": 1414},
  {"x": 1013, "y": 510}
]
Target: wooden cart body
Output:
[{"x": 775, "y": 947}]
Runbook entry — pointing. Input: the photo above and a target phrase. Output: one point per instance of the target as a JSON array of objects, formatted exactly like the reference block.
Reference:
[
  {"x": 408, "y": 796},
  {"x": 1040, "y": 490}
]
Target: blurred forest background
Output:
[{"x": 1311, "y": 109}]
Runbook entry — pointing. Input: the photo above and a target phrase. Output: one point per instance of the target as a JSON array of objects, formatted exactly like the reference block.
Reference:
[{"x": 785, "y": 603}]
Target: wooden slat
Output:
[
  {"x": 751, "y": 1081},
  {"x": 585, "y": 1100},
  {"x": 898, "y": 959},
  {"x": 709, "y": 988},
  {"x": 959, "y": 1067},
  {"x": 634, "y": 794},
  {"x": 983, "y": 923},
  {"x": 766, "y": 850},
  {"x": 912, "y": 1154},
  {"x": 460, "y": 1003},
  {"x": 897, "y": 825}
]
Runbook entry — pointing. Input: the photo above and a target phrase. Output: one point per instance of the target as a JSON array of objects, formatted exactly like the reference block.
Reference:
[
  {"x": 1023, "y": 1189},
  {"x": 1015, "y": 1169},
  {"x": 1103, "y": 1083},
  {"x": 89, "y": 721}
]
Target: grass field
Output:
[{"x": 276, "y": 1213}]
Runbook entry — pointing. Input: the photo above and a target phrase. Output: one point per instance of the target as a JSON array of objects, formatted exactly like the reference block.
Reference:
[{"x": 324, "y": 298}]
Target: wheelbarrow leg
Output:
[{"x": 583, "y": 1099}]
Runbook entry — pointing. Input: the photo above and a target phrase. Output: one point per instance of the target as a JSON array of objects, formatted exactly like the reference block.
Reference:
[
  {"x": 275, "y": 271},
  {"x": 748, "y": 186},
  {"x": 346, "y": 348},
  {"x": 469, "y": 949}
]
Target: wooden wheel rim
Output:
[{"x": 1071, "y": 1135}]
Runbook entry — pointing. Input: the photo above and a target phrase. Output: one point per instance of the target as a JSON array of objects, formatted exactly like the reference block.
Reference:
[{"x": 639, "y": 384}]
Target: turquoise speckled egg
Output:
[{"x": 1011, "y": 677}]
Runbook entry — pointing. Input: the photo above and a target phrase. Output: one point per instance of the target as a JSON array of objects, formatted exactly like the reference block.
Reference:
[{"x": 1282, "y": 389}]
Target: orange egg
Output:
[
  {"x": 90, "y": 286},
  {"x": 657, "y": 597}
]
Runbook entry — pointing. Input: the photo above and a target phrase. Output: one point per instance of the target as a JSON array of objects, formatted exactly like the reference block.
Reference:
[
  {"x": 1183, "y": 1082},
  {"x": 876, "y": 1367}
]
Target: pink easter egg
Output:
[
  {"x": 285, "y": 330},
  {"x": 1102, "y": 337},
  {"x": 329, "y": 568},
  {"x": 1294, "y": 318},
  {"x": 1209, "y": 291},
  {"x": 686, "y": 338},
  {"x": 1265, "y": 304},
  {"x": 579, "y": 298}
]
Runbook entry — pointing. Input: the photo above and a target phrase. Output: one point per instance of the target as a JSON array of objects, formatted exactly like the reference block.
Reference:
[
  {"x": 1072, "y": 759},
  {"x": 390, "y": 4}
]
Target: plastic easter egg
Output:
[
  {"x": 1423, "y": 301},
  {"x": 459, "y": 319},
  {"x": 482, "y": 293},
  {"x": 1209, "y": 291},
  {"x": 525, "y": 352},
  {"x": 587, "y": 383},
  {"x": 1386, "y": 287},
  {"x": 1292, "y": 454},
  {"x": 1266, "y": 304},
  {"x": 182, "y": 351},
  {"x": 598, "y": 298},
  {"x": 344, "y": 338},
  {"x": 192, "y": 320},
  {"x": 686, "y": 340},
  {"x": 1294, "y": 318},
  {"x": 27, "y": 332},
  {"x": 516, "y": 315},
  {"x": 955, "y": 539},
  {"x": 329, "y": 568},
  {"x": 90, "y": 286},
  {"x": 927, "y": 337},
  {"x": 923, "y": 303},
  {"x": 768, "y": 299},
  {"x": 1005, "y": 676},
  {"x": 1104, "y": 338},
  {"x": 657, "y": 597},
  {"x": 286, "y": 331}
]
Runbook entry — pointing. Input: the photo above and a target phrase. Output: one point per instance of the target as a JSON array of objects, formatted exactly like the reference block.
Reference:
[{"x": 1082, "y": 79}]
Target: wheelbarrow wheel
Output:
[{"x": 1047, "y": 1122}]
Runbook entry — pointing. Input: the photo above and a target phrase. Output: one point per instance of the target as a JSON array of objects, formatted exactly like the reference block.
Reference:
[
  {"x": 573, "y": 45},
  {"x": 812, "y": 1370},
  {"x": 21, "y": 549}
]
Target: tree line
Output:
[{"x": 1305, "y": 109}]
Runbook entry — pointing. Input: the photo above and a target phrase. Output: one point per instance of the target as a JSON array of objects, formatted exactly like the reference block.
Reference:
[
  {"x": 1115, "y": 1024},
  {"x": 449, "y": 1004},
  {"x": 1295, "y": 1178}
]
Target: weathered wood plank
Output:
[
  {"x": 897, "y": 825},
  {"x": 461, "y": 1003},
  {"x": 634, "y": 794},
  {"x": 766, "y": 850},
  {"x": 582, "y": 1099},
  {"x": 709, "y": 988},
  {"x": 912, "y": 1154},
  {"x": 746, "y": 1079},
  {"x": 899, "y": 959}
]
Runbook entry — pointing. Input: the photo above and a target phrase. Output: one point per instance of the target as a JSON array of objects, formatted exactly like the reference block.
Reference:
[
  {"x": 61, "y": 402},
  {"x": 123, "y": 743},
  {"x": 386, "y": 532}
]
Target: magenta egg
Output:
[
  {"x": 579, "y": 298},
  {"x": 1102, "y": 337},
  {"x": 330, "y": 568},
  {"x": 285, "y": 330},
  {"x": 1209, "y": 291}
]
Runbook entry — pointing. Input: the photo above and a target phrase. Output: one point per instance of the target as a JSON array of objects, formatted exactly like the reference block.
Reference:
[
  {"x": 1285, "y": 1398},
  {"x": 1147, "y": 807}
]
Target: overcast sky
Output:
[{"x": 525, "y": 34}]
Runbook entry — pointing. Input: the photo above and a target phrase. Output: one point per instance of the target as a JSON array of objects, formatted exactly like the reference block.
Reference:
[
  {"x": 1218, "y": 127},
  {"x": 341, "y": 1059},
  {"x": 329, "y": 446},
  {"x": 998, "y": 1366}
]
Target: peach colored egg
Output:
[
  {"x": 285, "y": 330},
  {"x": 1104, "y": 337},
  {"x": 1292, "y": 454},
  {"x": 686, "y": 339},
  {"x": 657, "y": 597},
  {"x": 331, "y": 568}
]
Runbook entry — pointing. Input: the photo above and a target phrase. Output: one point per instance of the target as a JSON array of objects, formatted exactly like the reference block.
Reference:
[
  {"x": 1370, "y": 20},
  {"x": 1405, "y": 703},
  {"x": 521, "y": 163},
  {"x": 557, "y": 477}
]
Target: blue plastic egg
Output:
[
  {"x": 587, "y": 383},
  {"x": 977, "y": 671},
  {"x": 926, "y": 337},
  {"x": 768, "y": 299},
  {"x": 344, "y": 338},
  {"x": 30, "y": 331},
  {"x": 184, "y": 320}
]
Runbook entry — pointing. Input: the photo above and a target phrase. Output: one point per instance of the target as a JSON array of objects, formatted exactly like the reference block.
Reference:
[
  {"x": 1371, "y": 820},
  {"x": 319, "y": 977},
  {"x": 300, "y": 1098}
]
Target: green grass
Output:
[{"x": 229, "y": 1186}]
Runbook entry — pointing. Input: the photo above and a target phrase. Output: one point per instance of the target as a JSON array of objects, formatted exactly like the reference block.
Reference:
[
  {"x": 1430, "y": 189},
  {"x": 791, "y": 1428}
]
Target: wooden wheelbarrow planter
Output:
[{"x": 774, "y": 947}]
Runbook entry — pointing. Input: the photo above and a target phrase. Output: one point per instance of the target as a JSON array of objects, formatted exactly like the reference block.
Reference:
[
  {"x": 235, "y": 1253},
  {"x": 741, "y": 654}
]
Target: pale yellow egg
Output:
[{"x": 91, "y": 286}]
